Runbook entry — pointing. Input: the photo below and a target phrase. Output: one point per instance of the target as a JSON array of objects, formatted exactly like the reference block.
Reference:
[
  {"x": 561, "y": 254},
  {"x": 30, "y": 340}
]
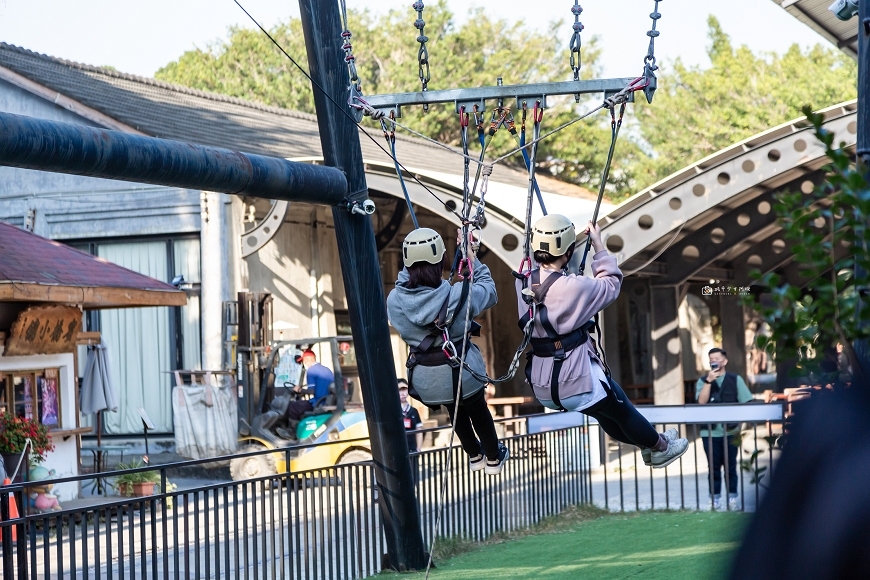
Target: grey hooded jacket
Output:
[{"x": 412, "y": 312}]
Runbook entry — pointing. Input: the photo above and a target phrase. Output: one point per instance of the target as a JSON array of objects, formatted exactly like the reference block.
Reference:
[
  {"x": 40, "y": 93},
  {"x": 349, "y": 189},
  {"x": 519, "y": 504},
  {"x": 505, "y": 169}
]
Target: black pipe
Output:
[
  {"x": 31, "y": 143},
  {"x": 364, "y": 289}
]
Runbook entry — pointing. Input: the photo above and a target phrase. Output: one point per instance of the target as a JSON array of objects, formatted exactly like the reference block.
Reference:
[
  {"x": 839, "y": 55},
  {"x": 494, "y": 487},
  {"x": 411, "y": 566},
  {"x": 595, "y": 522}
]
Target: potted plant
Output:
[
  {"x": 138, "y": 483},
  {"x": 15, "y": 432}
]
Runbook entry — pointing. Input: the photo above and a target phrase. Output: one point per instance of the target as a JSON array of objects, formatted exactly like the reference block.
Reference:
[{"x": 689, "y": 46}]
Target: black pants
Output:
[
  {"x": 473, "y": 411},
  {"x": 717, "y": 463},
  {"x": 296, "y": 409},
  {"x": 621, "y": 420}
]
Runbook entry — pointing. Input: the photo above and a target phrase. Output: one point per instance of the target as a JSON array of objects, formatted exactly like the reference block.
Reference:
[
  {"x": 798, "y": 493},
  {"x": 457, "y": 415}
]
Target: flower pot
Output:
[
  {"x": 137, "y": 489},
  {"x": 10, "y": 460}
]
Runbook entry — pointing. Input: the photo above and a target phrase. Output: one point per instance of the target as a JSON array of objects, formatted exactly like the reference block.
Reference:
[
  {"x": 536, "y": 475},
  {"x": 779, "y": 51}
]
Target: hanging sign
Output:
[{"x": 44, "y": 330}]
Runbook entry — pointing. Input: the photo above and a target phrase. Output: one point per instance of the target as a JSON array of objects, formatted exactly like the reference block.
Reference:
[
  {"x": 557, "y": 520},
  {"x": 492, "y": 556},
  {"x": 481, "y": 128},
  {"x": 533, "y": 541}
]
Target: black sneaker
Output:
[{"x": 494, "y": 466}]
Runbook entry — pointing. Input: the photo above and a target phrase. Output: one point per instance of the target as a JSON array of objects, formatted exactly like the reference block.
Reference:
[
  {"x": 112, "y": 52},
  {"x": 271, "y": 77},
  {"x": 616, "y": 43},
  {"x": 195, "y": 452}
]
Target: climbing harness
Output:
[{"x": 555, "y": 346}]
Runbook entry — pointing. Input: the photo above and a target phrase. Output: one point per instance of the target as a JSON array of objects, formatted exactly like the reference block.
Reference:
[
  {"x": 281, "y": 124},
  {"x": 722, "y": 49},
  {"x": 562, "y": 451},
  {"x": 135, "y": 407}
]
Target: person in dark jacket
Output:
[{"x": 814, "y": 520}]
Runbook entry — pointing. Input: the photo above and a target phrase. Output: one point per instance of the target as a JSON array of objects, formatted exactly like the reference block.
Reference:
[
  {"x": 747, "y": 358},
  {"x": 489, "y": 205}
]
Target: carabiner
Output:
[
  {"x": 538, "y": 112},
  {"x": 448, "y": 348},
  {"x": 467, "y": 263},
  {"x": 526, "y": 273}
]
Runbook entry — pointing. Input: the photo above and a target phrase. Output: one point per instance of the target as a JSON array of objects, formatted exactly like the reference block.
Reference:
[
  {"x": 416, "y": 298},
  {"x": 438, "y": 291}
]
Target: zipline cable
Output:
[
  {"x": 466, "y": 340},
  {"x": 390, "y": 136},
  {"x": 605, "y": 174},
  {"x": 521, "y": 141}
]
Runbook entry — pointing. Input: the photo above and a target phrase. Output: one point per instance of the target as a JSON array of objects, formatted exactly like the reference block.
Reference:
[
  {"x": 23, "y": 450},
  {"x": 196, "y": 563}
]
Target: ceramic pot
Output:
[
  {"x": 10, "y": 460},
  {"x": 136, "y": 489}
]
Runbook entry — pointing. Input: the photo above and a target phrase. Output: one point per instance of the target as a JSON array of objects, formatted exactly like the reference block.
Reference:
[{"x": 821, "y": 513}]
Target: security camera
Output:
[
  {"x": 844, "y": 9},
  {"x": 366, "y": 207}
]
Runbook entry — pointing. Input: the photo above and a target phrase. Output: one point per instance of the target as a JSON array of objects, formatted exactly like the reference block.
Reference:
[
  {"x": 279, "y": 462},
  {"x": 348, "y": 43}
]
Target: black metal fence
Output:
[{"x": 326, "y": 523}]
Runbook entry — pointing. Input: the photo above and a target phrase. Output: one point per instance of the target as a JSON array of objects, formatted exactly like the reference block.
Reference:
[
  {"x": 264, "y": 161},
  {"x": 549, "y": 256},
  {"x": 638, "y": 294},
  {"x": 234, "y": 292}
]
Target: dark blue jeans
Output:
[{"x": 717, "y": 463}]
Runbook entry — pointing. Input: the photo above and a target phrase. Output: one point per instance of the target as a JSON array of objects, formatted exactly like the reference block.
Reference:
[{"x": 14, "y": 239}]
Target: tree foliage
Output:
[
  {"x": 807, "y": 321},
  {"x": 248, "y": 66},
  {"x": 698, "y": 111}
]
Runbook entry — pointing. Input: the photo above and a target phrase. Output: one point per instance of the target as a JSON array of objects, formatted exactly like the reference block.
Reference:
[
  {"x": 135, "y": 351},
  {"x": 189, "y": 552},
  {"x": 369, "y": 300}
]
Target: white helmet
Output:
[
  {"x": 423, "y": 245},
  {"x": 553, "y": 234}
]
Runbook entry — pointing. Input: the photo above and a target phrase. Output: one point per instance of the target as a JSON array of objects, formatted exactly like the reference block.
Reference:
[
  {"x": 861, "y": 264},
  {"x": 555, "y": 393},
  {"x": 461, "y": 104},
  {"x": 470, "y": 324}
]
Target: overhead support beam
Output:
[
  {"x": 30, "y": 143},
  {"x": 478, "y": 96},
  {"x": 713, "y": 241},
  {"x": 765, "y": 256}
]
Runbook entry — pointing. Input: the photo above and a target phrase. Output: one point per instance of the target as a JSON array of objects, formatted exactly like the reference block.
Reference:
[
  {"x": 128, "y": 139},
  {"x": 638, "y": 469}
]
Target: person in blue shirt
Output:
[
  {"x": 318, "y": 381},
  {"x": 318, "y": 378}
]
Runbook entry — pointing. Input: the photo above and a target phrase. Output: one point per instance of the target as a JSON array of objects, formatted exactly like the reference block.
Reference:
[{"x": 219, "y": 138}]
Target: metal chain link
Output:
[
  {"x": 349, "y": 58},
  {"x": 575, "y": 43},
  {"x": 423, "y": 54},
  {"x": 649, "y": 61},
  {"x": 650, "y": 58}
]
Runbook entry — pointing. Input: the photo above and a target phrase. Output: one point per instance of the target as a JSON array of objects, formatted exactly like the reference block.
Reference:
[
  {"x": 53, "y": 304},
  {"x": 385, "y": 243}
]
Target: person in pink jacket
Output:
[{"x": 564, "y": 368}]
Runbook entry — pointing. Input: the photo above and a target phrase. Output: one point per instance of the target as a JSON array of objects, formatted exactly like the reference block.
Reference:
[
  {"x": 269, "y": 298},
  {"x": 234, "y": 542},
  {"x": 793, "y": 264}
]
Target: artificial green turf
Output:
[{"x": 648, "y": 545}]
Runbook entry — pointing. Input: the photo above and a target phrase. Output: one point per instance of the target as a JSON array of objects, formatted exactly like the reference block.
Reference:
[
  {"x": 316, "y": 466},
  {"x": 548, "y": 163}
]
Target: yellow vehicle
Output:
[{"x": 333, "y": 433}]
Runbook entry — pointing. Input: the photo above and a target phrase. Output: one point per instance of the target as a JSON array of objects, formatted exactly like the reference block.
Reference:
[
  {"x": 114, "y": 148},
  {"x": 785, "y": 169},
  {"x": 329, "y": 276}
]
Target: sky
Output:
[{"x": 141, "y": 37}]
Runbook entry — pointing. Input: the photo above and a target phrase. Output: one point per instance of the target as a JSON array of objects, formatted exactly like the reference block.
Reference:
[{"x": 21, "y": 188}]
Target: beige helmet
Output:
[
  {"x": 423, "y": 245},
  {"x": 553, "y": 234}
]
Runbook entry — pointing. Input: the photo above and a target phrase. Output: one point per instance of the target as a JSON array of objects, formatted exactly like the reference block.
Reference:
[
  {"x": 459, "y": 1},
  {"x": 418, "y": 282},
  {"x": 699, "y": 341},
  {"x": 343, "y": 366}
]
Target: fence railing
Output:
[{"x": 326, "y": 523}]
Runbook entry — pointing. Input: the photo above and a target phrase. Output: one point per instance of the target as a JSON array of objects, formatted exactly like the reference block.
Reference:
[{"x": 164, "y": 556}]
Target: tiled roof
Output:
[
  {"x": 30, "y": 260},
  {"x": 170, "y": 111}
]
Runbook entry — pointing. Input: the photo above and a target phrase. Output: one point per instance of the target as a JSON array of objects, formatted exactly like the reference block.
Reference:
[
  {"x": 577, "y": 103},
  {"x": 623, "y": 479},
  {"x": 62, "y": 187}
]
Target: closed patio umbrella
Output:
[{"x": 98, "y": 392}]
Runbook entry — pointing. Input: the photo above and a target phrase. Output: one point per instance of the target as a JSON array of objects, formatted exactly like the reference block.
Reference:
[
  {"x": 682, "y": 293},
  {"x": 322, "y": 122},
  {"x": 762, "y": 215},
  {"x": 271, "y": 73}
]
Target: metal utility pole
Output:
[{"x": 364, "y": 289}]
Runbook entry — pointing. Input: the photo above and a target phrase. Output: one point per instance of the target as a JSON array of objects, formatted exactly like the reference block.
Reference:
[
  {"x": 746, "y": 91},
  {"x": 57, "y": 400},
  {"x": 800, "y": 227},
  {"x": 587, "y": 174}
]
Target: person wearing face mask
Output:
[{"x": 719, "y": 386}]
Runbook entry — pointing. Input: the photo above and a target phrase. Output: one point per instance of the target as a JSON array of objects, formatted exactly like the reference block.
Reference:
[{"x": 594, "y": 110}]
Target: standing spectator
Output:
[
  {"x": 411, "y": 417},
  {"x": 720, "y": 386},
  {"x": 844, "y": 375}
]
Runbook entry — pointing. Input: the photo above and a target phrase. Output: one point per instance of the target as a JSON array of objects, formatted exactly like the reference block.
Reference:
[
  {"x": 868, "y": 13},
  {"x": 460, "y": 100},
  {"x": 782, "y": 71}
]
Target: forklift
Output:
[{"x": 267, "y": 373}]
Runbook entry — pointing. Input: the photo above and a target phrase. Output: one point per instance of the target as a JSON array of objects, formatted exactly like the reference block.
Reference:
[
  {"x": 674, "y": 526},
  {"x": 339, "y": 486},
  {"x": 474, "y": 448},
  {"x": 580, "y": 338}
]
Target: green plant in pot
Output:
[
  {"x": 15, "y": 432},
  {"x": 138, "y": 483}
]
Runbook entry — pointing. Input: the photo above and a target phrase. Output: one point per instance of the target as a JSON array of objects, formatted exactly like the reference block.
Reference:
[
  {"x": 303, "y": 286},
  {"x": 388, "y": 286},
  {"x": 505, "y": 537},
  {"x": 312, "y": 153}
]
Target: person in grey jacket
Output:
[
  {"x": 564, "y": 367},
  {"x": 422, "y": 308}
]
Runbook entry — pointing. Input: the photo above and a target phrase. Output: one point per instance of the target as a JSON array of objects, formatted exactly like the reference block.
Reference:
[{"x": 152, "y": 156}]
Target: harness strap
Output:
[
  {"x": 555, "y": 345},
  {"x": 439, "y": 325}
]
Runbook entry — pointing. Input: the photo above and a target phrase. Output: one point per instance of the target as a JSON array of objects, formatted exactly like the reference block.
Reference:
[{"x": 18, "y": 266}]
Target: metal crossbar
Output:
[{"x": 478, "y": 96}]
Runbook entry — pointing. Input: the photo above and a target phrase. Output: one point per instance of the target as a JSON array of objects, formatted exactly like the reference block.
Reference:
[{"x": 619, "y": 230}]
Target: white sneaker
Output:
[
  {"x": 477, "y": 463},
  {"x": 676, "y": 448},
  {"x": 733, "y": 504},
  {"x": 671, "y": 435},
  {"x": 495, "y": 467}
]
